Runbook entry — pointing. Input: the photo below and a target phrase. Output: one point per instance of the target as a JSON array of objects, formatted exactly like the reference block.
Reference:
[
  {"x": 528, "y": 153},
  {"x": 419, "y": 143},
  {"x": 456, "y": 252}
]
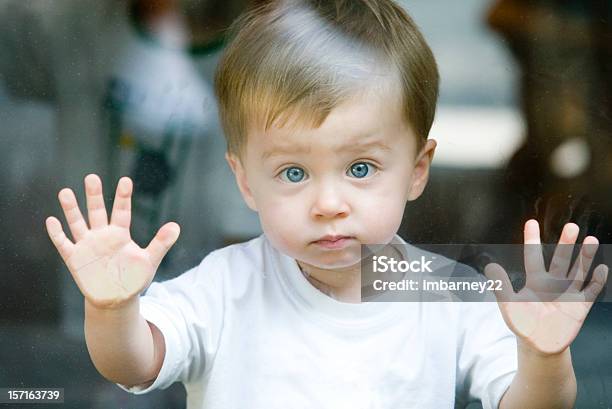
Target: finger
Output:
[
  {"x": 592, "y": 290},
  {"x": 161, "y": 243},
  {"x": 583, "y": 262},
  {"x": 494, "y": 272},
  {"x": 96, "y": 210},
  {"x": 63, "y": 245},
  {"x": 532, "y": 252},
  {"x": 74, "y": 218},
  {"x": 562, "y": 257},
  {"x": 122, "y": 206}
]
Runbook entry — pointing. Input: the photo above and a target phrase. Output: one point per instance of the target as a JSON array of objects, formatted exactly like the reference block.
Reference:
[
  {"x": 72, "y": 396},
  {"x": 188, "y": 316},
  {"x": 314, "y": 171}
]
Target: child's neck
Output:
[{"x": 341, "y": 284}]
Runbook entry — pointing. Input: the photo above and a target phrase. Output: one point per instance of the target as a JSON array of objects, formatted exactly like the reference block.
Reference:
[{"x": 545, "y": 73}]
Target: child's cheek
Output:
[
  {"x": 382, "y": 229},
  {"x": 279, "y": 222},
  {"x": 380, "y": 216}
]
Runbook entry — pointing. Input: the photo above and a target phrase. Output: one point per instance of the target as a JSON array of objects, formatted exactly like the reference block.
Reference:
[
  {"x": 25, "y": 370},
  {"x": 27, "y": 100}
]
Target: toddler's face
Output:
[{"x": 350, "y": 179}]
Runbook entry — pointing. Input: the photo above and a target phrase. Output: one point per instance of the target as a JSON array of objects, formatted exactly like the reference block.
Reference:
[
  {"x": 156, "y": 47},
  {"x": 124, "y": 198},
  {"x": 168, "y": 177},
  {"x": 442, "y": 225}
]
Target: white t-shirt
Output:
[{"x": 246, "y": 329}]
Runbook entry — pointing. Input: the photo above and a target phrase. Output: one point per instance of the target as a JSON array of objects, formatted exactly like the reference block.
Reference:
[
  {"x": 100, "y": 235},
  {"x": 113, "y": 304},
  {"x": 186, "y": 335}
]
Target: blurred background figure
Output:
[
  {"x": 129, "y": 86},
  {"x": 533, "y": 113},
  {"x": 563, "y": 170},
  {"x": 122, "y": 87}
]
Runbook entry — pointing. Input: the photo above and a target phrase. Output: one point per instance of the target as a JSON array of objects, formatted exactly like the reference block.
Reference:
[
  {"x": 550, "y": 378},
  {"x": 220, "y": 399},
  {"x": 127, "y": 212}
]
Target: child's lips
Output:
[{"x": 333, "y": 242}]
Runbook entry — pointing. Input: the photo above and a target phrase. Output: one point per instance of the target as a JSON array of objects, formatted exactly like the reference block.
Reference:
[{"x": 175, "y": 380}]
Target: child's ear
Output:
[
  {"x": 420, "y": 174},
  {"x": 241, "y": 179}
]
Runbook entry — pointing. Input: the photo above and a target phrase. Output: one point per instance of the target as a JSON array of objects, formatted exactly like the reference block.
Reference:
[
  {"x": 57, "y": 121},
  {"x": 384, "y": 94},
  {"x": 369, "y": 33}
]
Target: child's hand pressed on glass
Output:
[
  {"x": 543, "y": 323},
  {"x": 109, "y": 268}
]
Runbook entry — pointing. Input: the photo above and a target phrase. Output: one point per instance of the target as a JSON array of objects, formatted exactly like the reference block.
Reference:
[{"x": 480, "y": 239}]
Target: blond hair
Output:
[{"x": 299, "y": 59}]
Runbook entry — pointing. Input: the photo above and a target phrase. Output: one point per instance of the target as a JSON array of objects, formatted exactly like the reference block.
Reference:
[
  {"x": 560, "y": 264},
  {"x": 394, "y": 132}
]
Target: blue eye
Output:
[
  {"x": 293, "y": 174},
  {"x": 360, "y": 169}
]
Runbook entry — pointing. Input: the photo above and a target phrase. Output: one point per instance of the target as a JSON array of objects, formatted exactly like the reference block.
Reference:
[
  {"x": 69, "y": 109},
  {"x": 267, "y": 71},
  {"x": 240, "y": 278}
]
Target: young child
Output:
[{"x": 327, "y": 106}]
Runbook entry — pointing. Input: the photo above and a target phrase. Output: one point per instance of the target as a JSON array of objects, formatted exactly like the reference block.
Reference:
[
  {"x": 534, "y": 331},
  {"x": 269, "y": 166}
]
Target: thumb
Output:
[
  {"x": 497, "y": 274},
  {"x": 164, "y": 239}
]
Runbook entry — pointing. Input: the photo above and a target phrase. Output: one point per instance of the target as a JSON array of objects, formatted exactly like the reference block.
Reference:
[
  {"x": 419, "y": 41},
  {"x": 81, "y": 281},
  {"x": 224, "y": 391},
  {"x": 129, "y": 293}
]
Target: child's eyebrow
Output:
[
  {"x": 349, "y": 147},
  {"x": 365, "y": 146},
  {"x": 284, "y": 151}
]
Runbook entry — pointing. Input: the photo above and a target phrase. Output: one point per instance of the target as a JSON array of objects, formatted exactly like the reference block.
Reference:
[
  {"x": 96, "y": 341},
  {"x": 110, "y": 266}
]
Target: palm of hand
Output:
[
  {"x": 548, "y": 312},
  {"x": 108, "y": 266}
]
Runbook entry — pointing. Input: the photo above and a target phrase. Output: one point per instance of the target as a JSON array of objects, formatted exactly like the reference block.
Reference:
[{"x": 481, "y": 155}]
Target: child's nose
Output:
[{"x": 329, "y": 202}]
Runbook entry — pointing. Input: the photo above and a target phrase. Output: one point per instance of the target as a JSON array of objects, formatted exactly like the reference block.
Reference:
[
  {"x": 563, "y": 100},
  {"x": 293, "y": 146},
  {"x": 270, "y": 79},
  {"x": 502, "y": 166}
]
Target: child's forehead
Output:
[
  {"x": 363, "y": 111},
  {"x": 366, "y": 121}
]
